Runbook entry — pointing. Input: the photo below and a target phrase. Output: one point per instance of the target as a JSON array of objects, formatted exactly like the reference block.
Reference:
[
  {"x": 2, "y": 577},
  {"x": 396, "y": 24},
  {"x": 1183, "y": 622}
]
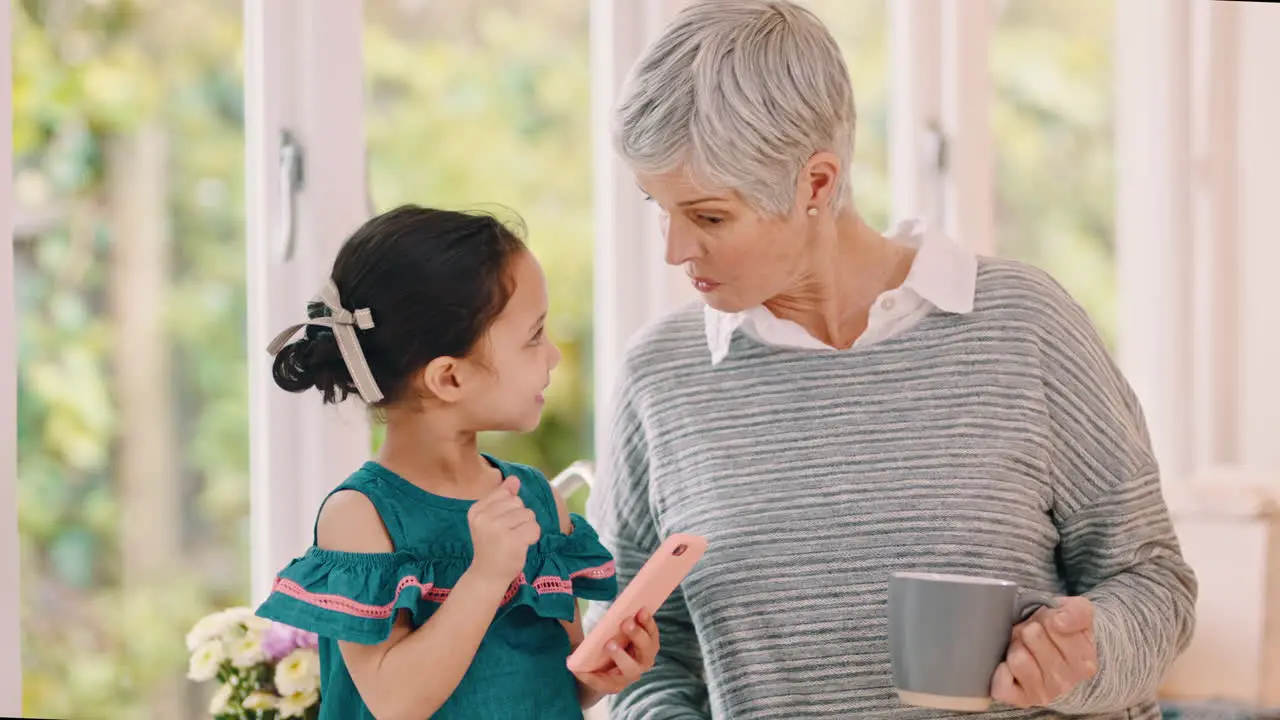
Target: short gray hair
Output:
[{"x": 741, "y": 93}]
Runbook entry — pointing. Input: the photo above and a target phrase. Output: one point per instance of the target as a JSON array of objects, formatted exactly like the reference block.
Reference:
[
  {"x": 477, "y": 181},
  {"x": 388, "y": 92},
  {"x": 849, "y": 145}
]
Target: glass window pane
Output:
[
  {"x": 487, "y": 102},
  {"x": 132, "y": 433},
  {"x": 1052, "y": 118}
]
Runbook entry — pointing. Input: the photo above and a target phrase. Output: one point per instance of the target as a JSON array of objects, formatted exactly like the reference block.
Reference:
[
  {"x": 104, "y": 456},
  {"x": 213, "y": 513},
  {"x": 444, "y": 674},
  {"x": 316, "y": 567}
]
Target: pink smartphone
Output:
[{"x": 650, "y": 588}]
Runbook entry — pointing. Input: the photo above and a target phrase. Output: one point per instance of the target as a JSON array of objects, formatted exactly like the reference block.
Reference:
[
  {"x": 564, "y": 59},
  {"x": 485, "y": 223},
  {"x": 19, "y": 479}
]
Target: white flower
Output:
[
  {"x": 206, "y": 629},
  {"x": 298, "y": 673},
  {"x": 221, "y": 701},
  {"x": 237, "y": 614},
  {"x": 217, "y": 625},
  {"x": 205, "y": 661},
  {"x": 296, "y": 705},
  {"x": 246, "y": 651},
  {"x": 260, "y": 701},
  {"x": 255, "y": 624}
]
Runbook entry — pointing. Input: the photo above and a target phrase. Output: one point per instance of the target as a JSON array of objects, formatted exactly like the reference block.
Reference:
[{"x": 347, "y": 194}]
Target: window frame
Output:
[
  {"x": 633, "y": 285},
  {"x": 1253, "y": 159},
  {"x": 10, "y": 594},
  {"x": 304, "y": 72},
  {"x": 1153, "y": 194},
  {"x": 941, "y": 156}
]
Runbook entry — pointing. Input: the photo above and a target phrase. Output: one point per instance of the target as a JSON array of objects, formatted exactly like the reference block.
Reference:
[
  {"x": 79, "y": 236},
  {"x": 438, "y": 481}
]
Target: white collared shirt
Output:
[{"x": 943, "y": 275}]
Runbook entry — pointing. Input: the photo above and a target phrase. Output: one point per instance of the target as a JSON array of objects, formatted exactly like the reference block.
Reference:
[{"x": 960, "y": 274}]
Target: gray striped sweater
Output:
[{"x": 1001, "y": 442}]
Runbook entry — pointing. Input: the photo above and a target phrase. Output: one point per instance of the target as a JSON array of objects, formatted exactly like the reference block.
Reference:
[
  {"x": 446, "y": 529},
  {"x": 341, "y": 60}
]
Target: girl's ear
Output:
[{"x": 442, "y": 379}]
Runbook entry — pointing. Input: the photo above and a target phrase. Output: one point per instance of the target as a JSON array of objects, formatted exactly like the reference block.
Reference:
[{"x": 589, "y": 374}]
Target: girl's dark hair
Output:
[{"x": 433, "y": 280}]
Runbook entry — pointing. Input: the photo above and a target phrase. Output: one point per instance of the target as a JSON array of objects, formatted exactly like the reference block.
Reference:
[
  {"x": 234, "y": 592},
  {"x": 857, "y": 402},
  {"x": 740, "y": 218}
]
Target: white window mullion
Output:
[
  {"x": 966, "y": 121},
  {"x": 304, "y": 75},
  {"x": 623, "y": 221},
  {"x": 10, "y": 624},
  {"x": 633, "y": 286},
  {"x": 916, "y": 144},
  {"x": 1215, "y": 245},
  {"x": 1153, "y": 230},
  {"x": 1258, "y": 172},
  {"x": 941, "y": 163}
]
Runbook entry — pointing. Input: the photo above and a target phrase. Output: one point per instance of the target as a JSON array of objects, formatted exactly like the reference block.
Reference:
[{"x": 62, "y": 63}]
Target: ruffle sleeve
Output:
[
  {"x": 356, "y": 596},
  {"x": 562, "y": 568}
]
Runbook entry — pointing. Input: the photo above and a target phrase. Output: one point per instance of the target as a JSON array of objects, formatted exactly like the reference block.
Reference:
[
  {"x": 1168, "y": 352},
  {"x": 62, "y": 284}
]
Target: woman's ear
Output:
[{"x": 818, "y": 180}]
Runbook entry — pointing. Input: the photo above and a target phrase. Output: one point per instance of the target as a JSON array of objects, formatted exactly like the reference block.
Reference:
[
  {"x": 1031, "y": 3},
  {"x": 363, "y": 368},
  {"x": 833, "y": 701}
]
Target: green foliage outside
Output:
[
  {"x": 104, "y": 611},
  {"x": 469, "y": 105},
  {"x": 1052, "y": 118},
  {"x": 485, "y": 106}
]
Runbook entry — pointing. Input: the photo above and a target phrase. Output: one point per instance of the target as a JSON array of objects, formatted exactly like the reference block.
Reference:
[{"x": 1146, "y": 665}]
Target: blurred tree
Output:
[
  {"x": 485, "y": 105},
  {"x": 105, "y": 94},
  {"x": 861, "y": 27},
  {"x": 1052, "y": 120}
]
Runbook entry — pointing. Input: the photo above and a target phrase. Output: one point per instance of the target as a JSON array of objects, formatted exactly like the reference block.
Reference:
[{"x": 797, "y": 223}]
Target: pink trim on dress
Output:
[
  {"x": 545, "y": 585},
  {"x": 600, "y": 572}
]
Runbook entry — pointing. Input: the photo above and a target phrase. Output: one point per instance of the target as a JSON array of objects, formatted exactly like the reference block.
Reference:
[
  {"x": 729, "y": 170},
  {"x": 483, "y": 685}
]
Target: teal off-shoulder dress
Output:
[{"x": 519, "y": 670}]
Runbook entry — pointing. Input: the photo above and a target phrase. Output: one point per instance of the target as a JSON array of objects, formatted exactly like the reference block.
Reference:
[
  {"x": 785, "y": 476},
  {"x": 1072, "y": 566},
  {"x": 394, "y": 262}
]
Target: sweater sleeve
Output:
[
  {"x": 1117, "y": 544},
  {"x": 674, "y": 689}
]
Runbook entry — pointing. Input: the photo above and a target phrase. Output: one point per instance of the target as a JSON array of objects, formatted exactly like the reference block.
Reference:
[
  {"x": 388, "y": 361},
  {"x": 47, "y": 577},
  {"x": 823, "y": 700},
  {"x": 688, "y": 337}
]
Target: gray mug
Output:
[{"x": 948, "y": 633}]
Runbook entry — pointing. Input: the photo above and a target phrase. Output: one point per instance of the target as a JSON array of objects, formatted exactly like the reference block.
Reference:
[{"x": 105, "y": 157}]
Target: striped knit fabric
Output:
[{"x": 1002, "y": 442}]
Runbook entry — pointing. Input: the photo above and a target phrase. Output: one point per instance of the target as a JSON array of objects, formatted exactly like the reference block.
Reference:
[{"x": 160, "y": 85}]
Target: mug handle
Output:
[{"x": 1029, "y": 601}]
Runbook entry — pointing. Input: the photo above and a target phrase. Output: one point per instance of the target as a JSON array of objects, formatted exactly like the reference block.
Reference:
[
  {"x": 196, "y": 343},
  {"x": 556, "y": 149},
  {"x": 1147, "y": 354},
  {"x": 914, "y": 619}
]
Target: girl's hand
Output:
[
  {"x": 502, "y": 529},
  {"x": 631, "y": 657}
]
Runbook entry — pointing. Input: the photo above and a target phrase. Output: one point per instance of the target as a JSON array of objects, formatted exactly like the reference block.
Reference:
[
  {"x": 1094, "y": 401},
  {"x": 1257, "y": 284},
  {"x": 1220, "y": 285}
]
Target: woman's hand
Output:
[
  {"x": 629, "y": 659},
  {"x": 1050, "y": 654}
]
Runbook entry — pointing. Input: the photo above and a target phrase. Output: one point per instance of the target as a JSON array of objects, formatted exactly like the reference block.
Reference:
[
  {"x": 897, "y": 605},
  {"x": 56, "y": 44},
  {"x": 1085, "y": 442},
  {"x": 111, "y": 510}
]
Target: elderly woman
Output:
[{"x": 849, "y": 404}]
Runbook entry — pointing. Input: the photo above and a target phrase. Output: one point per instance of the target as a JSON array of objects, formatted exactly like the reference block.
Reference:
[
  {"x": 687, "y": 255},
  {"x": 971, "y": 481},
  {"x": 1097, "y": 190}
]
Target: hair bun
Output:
[{"x": 314, "y": 361}]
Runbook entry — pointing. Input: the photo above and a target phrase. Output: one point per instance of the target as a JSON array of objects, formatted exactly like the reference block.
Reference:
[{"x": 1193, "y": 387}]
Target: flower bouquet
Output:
[{"x": 264, "y": 670}]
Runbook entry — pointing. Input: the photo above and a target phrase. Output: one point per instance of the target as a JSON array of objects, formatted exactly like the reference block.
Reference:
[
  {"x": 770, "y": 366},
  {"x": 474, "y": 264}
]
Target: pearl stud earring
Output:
[{"x": 813, "y": 212}]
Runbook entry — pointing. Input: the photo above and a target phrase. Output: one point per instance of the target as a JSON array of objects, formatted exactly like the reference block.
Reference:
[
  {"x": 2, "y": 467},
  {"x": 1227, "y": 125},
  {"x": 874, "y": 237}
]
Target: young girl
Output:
[{"x": 442, "y": 581}]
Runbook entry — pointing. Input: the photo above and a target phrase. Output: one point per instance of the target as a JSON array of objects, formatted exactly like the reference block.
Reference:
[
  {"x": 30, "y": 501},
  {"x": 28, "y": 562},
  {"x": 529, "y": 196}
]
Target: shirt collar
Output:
[{"x": 943, "y": 274}]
